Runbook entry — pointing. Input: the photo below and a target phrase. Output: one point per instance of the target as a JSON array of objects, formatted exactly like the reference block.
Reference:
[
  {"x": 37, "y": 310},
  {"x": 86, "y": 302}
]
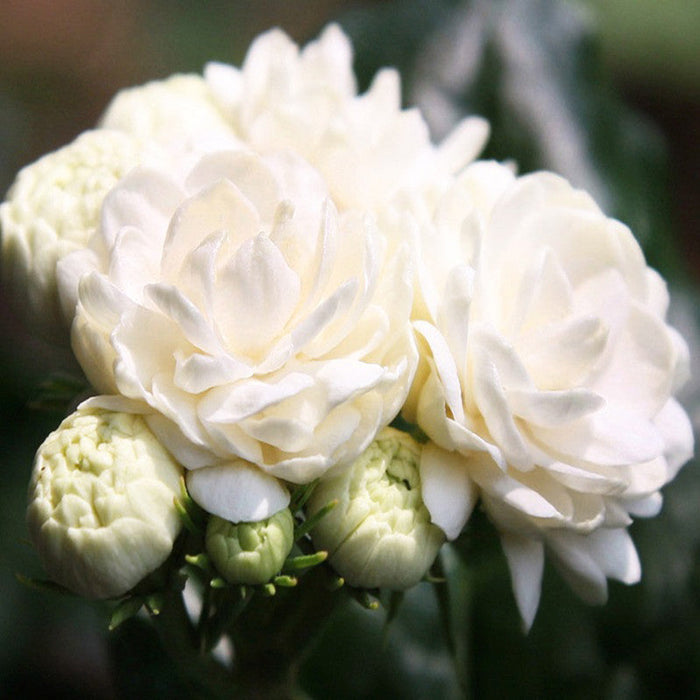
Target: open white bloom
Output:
[
  {"x": 304, "y": 100},
  {"x": 549, "y": 380},
  {"x": 366, "y": 146},
  {"x": 379, "y": 534},
  {"x": 101, "y": 511},
  {"x": 51, "y": 210},
  {"x": 265, "y": 334}
]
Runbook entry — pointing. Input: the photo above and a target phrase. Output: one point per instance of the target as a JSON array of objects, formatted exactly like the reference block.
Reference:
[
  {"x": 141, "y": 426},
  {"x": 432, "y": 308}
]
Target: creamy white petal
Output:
[
  {"x": 144, "y": 199},
  {"x": 219, "y": 207},
  {"x": 343, "y": 379},
  {"x": 674, "y": 425},
  {"x": 526, "y": 563},
  {"x": 609, "y": 437},
  {"x": 177, "y": 307},
  {"x": 463, "y": 143},
  {"x": 553, "y": 408},
  {"x": 237, "y": 492},
  {"x": 448, "y": 492},
  {"x": 488, "y": 386},
  {"x": 445, "y": 367},
  {"x": 232, "y": 403},
  {"x": 264, "y": 292},
  {"x": 198, "y": 372},
  {"x": 578, "y": 567}
]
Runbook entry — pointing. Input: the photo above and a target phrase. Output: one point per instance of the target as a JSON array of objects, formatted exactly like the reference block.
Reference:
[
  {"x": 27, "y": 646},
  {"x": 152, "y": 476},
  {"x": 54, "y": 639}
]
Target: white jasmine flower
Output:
[
  {"x": 101, "y": 511},
  {"x": 549, "y": 380},
  {"x": 51, "y": 210},
  {"x": 366, "y": 146},
  {"x": 379, "y": 534},
  {"x": 248, "y": 318},
  {"x": 250, "y": 553}
]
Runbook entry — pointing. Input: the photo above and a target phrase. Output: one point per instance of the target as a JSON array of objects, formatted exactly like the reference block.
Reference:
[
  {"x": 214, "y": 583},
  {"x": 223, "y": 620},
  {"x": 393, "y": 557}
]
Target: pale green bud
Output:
[
  {"x": 379, "y": 535},
  {"x": 101, "y": 511},
  {"x": 250, "y": 552}
]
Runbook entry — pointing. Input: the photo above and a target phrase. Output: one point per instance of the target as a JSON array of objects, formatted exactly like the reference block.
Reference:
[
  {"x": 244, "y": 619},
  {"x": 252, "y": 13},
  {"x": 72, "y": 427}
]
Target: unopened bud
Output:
[
  {"x": 379, "y": 535},
  {"x": 101, "y": 511},
  {"x": 52, "y": 210},
  {"x": 250, "y": 553}
]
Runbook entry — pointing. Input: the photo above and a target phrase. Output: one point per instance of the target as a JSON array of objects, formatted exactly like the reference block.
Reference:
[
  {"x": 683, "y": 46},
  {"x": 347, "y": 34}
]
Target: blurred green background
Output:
[{"x": 607, "y": 93}]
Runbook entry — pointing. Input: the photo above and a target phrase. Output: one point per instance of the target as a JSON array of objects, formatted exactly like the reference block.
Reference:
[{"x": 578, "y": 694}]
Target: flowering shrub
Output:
[{"x": 274, "y": 269}]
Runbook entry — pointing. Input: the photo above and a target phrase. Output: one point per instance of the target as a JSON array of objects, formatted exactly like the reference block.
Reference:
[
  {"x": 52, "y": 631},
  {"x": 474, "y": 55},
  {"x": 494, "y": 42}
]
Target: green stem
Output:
[
  {"x": 273, "y": 636},
  {"x": 207, "y": 677},
  {"x": 270, "y": 636}
]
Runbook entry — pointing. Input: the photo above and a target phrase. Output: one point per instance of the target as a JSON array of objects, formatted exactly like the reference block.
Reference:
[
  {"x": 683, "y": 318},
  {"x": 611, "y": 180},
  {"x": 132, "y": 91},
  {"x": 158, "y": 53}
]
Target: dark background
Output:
[{"x": 625, "y": 76}]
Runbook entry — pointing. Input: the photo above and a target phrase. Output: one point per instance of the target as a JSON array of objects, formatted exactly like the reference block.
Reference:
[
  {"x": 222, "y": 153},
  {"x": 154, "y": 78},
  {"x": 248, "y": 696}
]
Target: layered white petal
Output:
[{"x": 448, "y": 492}]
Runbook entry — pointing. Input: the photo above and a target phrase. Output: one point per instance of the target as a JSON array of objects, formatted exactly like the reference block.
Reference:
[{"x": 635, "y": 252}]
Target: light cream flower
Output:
[
  {"x": 249, "y": 319},
  {"x": 366, "y": 146},
  {"x": 101, "y": 511},
  {"x": 549, "y": 379}
]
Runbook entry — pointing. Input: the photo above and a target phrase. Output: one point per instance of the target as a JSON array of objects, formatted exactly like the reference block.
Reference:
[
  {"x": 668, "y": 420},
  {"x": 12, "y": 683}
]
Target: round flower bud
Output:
[
  {"x": 176, "y": 113},
  {"x": 379, "y": 535},
  {"x": 101, "y": 511},
  {"x": 51, "y": 210},
  {"x": 250, "y": 552}
]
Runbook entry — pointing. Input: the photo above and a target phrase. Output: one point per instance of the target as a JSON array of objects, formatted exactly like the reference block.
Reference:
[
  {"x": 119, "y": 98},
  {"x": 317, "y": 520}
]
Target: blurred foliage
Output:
[
  {"x": 651, "y": 42},
  {"x": 534, "y": 69}
]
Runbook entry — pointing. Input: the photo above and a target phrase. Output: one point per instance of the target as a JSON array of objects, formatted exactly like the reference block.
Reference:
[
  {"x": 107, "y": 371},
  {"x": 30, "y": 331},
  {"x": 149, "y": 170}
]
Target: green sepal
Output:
[
  {"x": 300, "y": 495},
  {"x": 285, "y": 581},
  {"x": 154, "y": 602},
  {"x": 305, "y": 561},
  {"x": 201, "y": 561},
  {"x": 125, "y": 610},
  {"x": 193, "y": 517},
  {"x": 308, "y": 525},
  {"x": 367, "y": 600}
]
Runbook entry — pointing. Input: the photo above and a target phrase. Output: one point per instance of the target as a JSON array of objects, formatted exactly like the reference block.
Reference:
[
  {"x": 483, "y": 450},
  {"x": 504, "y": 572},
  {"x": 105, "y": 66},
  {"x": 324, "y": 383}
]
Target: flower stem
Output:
[
  {"x": 206, "y": 677},
  {"x": 273, "y": 636}
]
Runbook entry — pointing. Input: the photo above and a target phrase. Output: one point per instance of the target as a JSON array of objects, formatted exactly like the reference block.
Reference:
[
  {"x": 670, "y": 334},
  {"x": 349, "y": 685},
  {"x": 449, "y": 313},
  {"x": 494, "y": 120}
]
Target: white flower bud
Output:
[
  {"x": 379, "y": 535},
  {"x": 250, "y": 552},
  {"x": 176, "y": 113},
  {"x": 51, "y": 210},
  {"x": 101, "y": 511}
]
